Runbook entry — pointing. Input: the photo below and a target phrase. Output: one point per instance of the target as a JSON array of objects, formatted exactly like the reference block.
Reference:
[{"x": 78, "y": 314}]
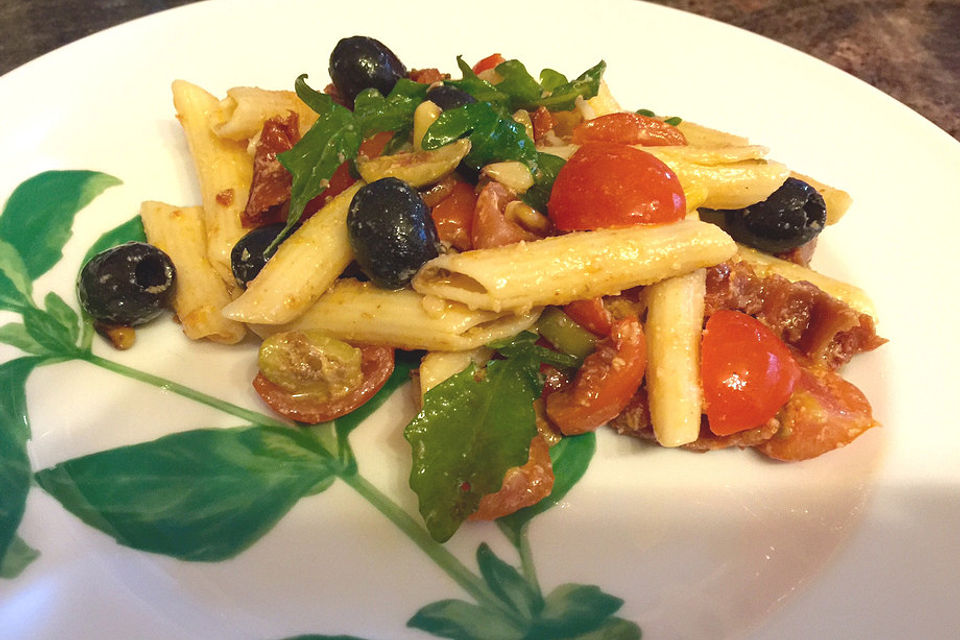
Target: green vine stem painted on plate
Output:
[{"x": 229, "y": 486}]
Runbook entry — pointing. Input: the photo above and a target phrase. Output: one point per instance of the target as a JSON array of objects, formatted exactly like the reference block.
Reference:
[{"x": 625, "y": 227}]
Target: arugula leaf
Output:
[
  {"x": 480, "y": 89},
  {"x": 374, "y": 113},
  {"x": 570, "y": 457},
  {"x": 538, "y": 195},
  {"x": 586, "y": 85},
  {"x": 333, "y": 139},
  {"x": 551, "y": 80},
  {"x": 493, "y": 138},
  {"x": 519, "y": 85},
  {"x": 473, "y": 427},
  {"x": 200, "y": 495},
  {"x": 464, "y": 621},
  {"x": 507, "y": 583},
  {"x": 526, "y": 340}
]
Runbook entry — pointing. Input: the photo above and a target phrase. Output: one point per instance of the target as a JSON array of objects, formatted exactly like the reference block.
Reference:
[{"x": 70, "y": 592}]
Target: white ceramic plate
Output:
[{"x": 858, "y": 543}]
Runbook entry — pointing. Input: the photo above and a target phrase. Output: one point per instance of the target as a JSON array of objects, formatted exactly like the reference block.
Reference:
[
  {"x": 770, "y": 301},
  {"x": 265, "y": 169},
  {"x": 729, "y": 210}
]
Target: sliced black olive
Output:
[
  {"x": 126, "y": 285},
  {"x": 391, "y": 232},
  {"x": 447, "y": 97},
  {"x": 246, "y": 258},
  {"x": 359, "y": 62},
  {"x": 793, "y": 215}
]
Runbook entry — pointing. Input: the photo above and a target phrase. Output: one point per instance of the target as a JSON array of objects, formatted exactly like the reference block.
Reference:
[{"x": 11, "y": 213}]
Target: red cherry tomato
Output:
[
  {"x": 376, "y": 364},
  {"x": 605, "y": 382},
  {"x": 453, "y": 216},
  {"x": 490, "y": 62},
  {"x": 628, "y": 128},
  {"x": 614, "y": 185},
  {"x": 747, "y": 372},
  {"x": 591, "y": 315}
]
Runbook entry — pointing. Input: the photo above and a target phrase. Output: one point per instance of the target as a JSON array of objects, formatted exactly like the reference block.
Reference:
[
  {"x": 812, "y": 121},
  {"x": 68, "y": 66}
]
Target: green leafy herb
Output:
[
  {"x": 493, "y": 137},
  {"x": 473, "y": 427},
  {"x": 524, "y": 92},
  {"x": 198, "y": 495},
  {"x": 375, "y": 113},
  {"x": 480, "y": 89},
  {"x": 673, "y": 121},
  {"x": 551, "y": 80},
  {"x": 525, "y": 341},
  {"x": 538, "y": 195},
  {"x": 586, "y": 86}
]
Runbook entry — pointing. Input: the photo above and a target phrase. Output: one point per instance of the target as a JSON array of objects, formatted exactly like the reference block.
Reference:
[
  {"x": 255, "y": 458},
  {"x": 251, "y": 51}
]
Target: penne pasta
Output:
[
  {"x": 302, "y": 269},
  {"x": 201, "y": 293},
  {"x": 224, "y": 170},
  {"x": 240, "y": 116},
  {"x": 578, "y": 265},
  {"x": 673, "y": 330},
  {"x": 837, "y": 200},
  {"x": 764, "y": 265},
  {"x": 360, "y": 312},
  {"x": 700, "y": 136}
]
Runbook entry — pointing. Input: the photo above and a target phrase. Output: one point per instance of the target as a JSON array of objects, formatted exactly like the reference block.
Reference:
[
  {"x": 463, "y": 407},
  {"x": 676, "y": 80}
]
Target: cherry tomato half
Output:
[
  {"x": 628, "y": 128},
  {"x": 490, "y": 62},
  {"x": 591, "y": 315},
  {"x": 747, "y": 372},
  {"x": 453, "y": 216},
  {"x": 376, "y": 364},
  {"x": 605, "y": 382},
  {"x": 614, "y": 185}
]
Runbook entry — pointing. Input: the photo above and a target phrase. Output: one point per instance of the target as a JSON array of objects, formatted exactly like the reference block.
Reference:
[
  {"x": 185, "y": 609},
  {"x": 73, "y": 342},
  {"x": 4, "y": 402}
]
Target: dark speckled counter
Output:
[{"x": 909, "y": 49}]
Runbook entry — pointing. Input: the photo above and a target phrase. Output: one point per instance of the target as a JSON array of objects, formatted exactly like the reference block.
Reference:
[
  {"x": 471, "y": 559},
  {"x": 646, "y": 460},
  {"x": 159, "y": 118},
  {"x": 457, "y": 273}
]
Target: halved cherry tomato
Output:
[
  {"x": 824, "y": 413},
  {"x": 614, "y": 185},
  {"x": 373, "y": 146},
  {"x": 453, "y": 216},
  {"x": 747, "y": 372},
  {"x": 628, "y": 128},
  {"x": 490, "y": 62},
  {"x": 591, "y": 315},
  {"x": 376, "y": 365},
  {"x": 605, "y": 382},
  {"x": 522, "y": 486}
]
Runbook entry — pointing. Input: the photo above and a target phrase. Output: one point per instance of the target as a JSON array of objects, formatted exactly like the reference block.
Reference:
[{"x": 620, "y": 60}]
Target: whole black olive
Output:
[
  {"x": 448, "y": 97},
  {"x": 246, "y": 258},
  {"x": 391, "y": 232},
  {"x": 126, "y": 285},
  {"x": 359, "y": 62},
  {"x": 793, "y": 215}
]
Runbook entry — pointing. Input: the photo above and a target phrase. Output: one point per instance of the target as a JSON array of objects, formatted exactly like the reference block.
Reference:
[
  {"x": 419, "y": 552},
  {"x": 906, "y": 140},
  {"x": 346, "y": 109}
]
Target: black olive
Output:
[
  {"x": 793, "y": 215},
  {"x": 126, "y": 285},
  {"x": 447, "y": 97},
  {"x": 359, "y": 62},
  {"x": 246, "y": 258},
  {"x": 391, "y": 232}
]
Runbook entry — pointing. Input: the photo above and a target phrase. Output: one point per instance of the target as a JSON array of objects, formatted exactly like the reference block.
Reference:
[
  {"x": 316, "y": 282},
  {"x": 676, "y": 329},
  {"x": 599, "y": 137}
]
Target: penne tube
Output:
[
  {"x": 700, "y": 136},
  {"x": 240, "y": 116},
  {"x": 224, "y": 169},
  {"x": 837, "y": 200},
  {"x": 709, "y": 156},
  {"x": 730, "y": 186},
  {"x": 361, "y": 312},
  {"x": 437, "y": 366},
  {"x": 603, "y": 103},
  {"x": 200, "y": 293},
  {"x": 578, "y": 265},
  {"x": 302, "y": 269},
  {"x": 764, "y": 265},
  {"x": 673, "y": 330}
]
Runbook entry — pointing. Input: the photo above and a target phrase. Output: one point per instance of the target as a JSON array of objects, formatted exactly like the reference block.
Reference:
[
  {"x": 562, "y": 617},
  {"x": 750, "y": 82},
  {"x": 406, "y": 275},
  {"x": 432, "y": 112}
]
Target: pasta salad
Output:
[{"x": 556, "y": 262}]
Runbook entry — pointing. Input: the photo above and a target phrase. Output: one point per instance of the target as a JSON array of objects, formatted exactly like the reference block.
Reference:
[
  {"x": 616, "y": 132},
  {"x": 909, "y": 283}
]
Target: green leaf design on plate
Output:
[
  {"x": 129, "y": 231},
  {"x": 612, "y": 629},
  {"x": 14, "y": 463},
  {"x": 507, "y": 583},
  {"x": 15, "y": 334},
  {"x": 205, "y": 495},
  {"x": 19, "y": 555},
  {"x": 573, "y": 609},
  {"x": 313, "y": 636},
  {"x": 571, "y": 457},
  {"x": 16, "y": 286},
  {"x": 461, "y": 620}
]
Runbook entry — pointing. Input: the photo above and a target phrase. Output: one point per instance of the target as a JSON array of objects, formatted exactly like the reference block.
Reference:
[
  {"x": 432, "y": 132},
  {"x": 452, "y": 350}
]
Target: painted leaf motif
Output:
[
  {"x": 571, "y": 457},
  {"x": 14, "y": 463},
  {"x": 19, "y": 555},
  {"x": 507, "y": 583},
  {"x": 15, "y": 334},
  {"x": 129, "y": 231},
  {"x": 313, "y": 636},
  {"x": 572, "y": 609},
  {"x": 45, "y": 329},
  {"x": 461, "y": 620},
  {"x": 16, "y": 286},
  {"x": 472, "y": 429},
  {"x": 613, "y": 629},
  {"x": 38, "y": 217},
  {"x": 63, "y": 314},
  {"x": 204, "y": 495}
]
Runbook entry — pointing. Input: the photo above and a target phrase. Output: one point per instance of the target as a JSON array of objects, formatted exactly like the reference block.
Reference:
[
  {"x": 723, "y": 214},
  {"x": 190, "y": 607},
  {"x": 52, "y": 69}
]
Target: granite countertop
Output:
[{"x": 910, "y": 49}]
